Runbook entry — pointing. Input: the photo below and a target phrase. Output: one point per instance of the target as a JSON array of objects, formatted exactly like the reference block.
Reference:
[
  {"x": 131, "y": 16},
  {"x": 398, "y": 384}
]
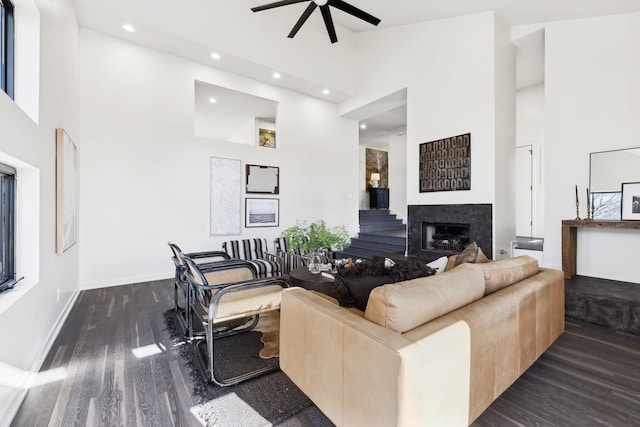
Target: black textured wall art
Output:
[{"x": 445, "y": 165}]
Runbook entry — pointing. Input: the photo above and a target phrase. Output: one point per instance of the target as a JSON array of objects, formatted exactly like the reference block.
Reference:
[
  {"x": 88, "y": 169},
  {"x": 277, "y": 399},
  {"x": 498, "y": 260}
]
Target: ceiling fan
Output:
[{"x": 326, "y": 14}]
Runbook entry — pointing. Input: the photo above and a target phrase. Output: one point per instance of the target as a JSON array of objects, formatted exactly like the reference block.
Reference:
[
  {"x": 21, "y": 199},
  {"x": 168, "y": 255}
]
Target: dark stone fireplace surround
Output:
[{"x": 477, "y": 216}]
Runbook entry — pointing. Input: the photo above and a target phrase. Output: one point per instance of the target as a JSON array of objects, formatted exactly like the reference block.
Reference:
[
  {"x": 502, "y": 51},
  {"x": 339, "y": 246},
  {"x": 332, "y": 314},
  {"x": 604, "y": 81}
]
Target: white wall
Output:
[
  {"x": 398, "y": 173},
  {"x": 530, "y": 131},
  {"x": 450, "y": 69},
  {"x": 504, "y": 209},
  {"x": 145, "y": 177},
  {"x": 591, "y": 104},
  {"x": 31, "y": 313}
]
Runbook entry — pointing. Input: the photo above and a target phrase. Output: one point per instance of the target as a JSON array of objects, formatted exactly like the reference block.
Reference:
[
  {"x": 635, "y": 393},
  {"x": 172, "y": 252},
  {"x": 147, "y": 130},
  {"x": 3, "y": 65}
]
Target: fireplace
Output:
[
  {"x": 444, "y": 230},
  {"x": 452, "y": 237}
]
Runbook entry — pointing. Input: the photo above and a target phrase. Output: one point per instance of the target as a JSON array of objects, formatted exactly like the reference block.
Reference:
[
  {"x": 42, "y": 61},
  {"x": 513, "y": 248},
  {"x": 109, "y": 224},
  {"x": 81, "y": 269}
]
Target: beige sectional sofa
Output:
[{"x": 433, "y": 351}]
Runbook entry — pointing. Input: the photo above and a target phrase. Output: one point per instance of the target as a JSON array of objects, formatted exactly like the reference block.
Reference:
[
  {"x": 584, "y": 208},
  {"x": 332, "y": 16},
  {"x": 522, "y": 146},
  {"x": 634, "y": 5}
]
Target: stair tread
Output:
[{"x": 380, "y": 232}]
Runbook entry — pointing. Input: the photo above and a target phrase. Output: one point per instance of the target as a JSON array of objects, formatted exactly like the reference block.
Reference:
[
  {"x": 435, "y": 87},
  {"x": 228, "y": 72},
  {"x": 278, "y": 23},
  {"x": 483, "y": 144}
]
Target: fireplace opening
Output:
[{"x": 446, "y": 237}]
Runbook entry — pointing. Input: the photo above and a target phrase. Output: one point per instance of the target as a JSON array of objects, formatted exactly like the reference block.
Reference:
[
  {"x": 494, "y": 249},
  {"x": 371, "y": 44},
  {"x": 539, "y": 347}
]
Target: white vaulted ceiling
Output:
[{"x": 255, "y": 45}]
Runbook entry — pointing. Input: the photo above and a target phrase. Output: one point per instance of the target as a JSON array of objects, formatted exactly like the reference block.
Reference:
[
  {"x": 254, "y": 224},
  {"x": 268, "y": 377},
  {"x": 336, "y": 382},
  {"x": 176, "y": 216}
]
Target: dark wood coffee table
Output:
[{"x": 303, "y": 278}]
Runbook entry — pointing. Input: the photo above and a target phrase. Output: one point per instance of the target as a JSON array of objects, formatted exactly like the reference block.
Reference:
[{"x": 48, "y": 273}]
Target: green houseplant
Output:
[{"x": 314, "y": 237}]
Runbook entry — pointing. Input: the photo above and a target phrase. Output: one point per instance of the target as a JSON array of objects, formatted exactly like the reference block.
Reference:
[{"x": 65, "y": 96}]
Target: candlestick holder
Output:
[
  {"x": 589, "y": 214},
  {"x": 578, "y": 211}
]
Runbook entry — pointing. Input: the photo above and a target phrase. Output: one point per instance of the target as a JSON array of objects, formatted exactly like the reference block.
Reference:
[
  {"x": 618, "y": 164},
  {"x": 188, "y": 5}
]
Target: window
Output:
[
  {"x": 6, "y": 46},
  {"x": 7, "y": 229}
]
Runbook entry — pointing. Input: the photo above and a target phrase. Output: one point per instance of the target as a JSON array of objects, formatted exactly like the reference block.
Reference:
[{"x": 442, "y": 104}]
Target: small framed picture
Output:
[
  {"x": 631, "y": 201},
  {"x": 262, "y": 212}
]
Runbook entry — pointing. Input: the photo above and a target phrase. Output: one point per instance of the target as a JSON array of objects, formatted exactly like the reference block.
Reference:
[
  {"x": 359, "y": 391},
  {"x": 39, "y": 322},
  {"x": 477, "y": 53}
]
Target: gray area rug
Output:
[{"x": 262, "y": 401}]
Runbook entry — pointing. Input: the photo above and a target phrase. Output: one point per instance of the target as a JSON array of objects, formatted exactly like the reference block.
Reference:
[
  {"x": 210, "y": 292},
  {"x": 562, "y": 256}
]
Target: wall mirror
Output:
[
  {"x": 607, "y": 171},
  {"x": 229, "y": 115}
]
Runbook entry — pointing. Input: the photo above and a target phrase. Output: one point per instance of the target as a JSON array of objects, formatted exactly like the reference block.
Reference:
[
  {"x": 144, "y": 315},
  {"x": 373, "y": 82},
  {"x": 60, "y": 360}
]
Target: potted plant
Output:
[{"x": 315, "y": 237}]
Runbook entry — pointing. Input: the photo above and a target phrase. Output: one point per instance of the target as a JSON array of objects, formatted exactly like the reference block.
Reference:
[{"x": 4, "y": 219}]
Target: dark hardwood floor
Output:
[{"x": 589, "y": 377}]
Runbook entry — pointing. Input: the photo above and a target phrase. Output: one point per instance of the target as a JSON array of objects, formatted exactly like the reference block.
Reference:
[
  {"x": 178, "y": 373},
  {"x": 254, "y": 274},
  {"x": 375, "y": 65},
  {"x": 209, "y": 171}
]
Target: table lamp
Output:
[{"x": 375, "y": 180}]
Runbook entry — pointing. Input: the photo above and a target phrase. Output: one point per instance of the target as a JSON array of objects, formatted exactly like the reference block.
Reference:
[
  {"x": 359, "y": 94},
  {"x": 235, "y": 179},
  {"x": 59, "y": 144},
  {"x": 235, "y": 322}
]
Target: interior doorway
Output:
[
  {"x": 383, "y": 126},
  {"x": 524, "y": 191}
]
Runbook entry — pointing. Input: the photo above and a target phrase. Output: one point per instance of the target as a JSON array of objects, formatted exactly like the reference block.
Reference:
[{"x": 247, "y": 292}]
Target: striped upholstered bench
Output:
[{"x": 256, "y": 252}]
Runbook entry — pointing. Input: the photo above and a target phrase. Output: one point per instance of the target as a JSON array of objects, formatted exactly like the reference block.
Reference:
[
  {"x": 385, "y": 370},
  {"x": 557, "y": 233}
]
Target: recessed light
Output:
[
  {"x": 213, "y": 100},
  {"x": 215, "y": 55},
  {"x": 276, "y": 75},
  {"x": 129, "y": 28},
  {"x": 326, "y": 91},
  {"x": 363, "y": 126}
]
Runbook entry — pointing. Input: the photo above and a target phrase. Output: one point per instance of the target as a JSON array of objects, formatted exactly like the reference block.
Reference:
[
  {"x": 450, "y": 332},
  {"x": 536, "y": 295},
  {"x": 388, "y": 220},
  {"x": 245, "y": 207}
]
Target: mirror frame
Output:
[{"x": 609, "y": 198}]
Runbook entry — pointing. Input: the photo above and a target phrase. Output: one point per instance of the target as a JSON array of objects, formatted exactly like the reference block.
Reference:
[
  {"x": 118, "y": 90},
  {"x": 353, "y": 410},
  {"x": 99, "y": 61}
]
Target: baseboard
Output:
[
  {"x": 16, "y": 399},
  {"x": 11, "y": 409},
  {"x": 126, "y": 281},
  {"x": 53, "y": 334}
]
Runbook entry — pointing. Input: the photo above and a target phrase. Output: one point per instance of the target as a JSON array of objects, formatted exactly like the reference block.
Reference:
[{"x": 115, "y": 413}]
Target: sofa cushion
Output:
[
  {"x": 405, "y": 305},
  {"x": 500, "y": 274}
]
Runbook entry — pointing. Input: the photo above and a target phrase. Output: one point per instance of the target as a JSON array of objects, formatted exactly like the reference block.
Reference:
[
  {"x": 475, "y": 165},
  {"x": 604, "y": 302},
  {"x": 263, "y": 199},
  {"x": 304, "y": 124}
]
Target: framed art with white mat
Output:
[
  {"x": 262, "y": 212},
  {"x": 630, "y": 201}
]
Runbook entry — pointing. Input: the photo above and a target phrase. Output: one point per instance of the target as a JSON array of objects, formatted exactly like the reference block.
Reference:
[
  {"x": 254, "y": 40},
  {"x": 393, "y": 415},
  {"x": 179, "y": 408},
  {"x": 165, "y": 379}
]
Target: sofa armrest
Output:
[{"x": 362, "y": 374}]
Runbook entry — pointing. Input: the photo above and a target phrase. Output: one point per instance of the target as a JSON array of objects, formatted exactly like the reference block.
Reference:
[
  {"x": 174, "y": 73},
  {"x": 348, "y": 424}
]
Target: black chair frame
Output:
[
  {"x": 205, "y": 355},
  {"x": 180, "y": 285}
]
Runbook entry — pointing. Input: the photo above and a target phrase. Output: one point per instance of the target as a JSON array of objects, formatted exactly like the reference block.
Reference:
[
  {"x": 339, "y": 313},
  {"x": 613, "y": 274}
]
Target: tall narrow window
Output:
[
  {"x": 6, "y": 46},
  {"x": 7, "y": 226}
]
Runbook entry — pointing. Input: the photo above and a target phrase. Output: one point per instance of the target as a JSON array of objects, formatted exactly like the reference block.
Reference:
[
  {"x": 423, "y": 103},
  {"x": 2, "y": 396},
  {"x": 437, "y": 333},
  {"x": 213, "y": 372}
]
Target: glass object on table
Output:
[{"x": 315, "y": 264}]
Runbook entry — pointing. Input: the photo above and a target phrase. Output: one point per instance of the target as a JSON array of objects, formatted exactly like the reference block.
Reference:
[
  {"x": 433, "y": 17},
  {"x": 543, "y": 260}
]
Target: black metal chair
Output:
[
  {"x": 180, "y": 285},
  {"x": 226, "y": 299}
]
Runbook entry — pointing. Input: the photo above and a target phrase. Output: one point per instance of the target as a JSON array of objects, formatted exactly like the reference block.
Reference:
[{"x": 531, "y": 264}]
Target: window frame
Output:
[
  {"x": 7, "y": 38},
  {"x": 8, "y": 179}
]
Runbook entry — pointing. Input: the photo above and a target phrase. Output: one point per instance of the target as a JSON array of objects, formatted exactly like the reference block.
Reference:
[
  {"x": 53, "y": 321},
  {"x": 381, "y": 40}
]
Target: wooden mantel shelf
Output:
[
  {"x": 601, "y": 224},
  {"x": 570, "y": 238}
]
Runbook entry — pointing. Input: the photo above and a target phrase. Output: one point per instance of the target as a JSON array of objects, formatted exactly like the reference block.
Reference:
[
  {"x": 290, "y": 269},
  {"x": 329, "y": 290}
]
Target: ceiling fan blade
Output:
[
  {"x": 352, "y": 10},
  {"x": 276, "y": 4},
  {"x": 308, "y": 11},
  {"x": 328, "y": 22}
]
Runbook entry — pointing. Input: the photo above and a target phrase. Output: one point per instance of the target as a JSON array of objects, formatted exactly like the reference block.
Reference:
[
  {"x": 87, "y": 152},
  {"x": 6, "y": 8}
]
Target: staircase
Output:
[{"x": 380, "y": 232}]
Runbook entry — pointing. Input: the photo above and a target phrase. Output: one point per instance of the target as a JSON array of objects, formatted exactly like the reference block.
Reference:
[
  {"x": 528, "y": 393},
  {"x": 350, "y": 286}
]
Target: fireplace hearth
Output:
[{"x": 444, "y": 230}]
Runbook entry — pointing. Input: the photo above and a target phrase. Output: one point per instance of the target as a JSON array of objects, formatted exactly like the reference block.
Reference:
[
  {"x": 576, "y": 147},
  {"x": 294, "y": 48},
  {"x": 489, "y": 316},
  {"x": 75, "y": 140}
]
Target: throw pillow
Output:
[
  {"x": 472, "y": 254},
  {"x": 451, "y": 262},
  {"x": 439, "y": 265}
]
